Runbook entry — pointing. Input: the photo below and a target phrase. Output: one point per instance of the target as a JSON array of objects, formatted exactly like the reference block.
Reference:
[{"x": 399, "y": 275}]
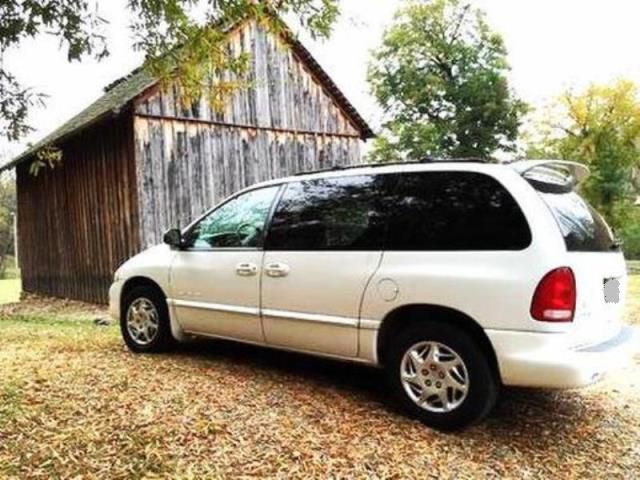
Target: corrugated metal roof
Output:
[{"x": 121, "y": 92}]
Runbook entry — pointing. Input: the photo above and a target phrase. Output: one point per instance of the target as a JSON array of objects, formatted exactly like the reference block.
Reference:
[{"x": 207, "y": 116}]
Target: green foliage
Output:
[
  {"x": 599, "y": 127},
  {"x": 48, "y": 156},
  {"x": 180, "y": 50},
  {"x": 71, "y": 21},
  {"x": 178, "y": 44},
  {"x": 9, "y": 268},
  {"x": 630, "y": 235},
  {"x": 7, "y": 212},
  {"x": 440, "y": 76}
]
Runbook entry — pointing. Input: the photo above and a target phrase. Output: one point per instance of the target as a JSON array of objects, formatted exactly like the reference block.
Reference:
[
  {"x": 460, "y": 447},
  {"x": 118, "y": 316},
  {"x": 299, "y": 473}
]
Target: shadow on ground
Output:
[{"x": 519, "y": 413}]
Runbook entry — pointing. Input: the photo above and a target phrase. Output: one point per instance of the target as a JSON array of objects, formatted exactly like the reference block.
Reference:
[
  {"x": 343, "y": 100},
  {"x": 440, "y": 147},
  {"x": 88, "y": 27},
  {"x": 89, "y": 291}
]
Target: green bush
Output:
[{"x": 630, "y": 236}]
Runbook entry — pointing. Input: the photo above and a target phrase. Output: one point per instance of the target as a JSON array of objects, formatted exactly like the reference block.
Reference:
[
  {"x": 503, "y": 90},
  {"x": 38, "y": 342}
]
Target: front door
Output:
[
  {"x": 215, "y": 278},
  {"x": 324, "y": 244}
]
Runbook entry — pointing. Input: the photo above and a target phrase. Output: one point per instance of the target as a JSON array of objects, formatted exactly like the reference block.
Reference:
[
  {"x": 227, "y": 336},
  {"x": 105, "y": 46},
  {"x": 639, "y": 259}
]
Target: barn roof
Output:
[
  {"x": 111, "y": 103},
  {"x": 119, "y": 94}
]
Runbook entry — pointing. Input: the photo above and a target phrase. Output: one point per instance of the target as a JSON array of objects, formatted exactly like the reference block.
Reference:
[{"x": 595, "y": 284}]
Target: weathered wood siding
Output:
[
  {"x": 282, "y": 93},
  {"x": 186, "y": 168},
  {"x": 78, "y": 222},
  {"x": 188, "y": 159}
]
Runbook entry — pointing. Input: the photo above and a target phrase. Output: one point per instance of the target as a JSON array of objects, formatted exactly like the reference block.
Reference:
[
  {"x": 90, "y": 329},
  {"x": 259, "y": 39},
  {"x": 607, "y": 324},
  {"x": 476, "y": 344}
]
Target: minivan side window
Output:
[
  {"x": 238, "y": 223},
  {"x": 454, "y": 211},
  {"x": 341, "y": 213}
]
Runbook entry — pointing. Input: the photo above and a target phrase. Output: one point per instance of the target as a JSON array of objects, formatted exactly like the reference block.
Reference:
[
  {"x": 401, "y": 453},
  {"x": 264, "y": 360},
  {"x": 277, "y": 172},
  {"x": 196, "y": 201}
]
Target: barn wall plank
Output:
[
  {"x": 188, "y": 159},
  {"x": 281, "y": 92},
  {"x": 76, "y": 222},
  {"x": 204, "y": 163}
]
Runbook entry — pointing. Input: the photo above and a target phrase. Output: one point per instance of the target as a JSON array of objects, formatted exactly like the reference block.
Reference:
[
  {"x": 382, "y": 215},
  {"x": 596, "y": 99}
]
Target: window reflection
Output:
[
  {"x": 330, "y": 214},
  {"x": 407, "y": 211},
  {"x": 239, "y": 223},
  {"x": 454, "y": 211},
  {"x": 582, "y": 227}
]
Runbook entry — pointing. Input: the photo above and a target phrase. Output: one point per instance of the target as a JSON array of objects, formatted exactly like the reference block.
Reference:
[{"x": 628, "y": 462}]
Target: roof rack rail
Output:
[
  {"x": 458, "y": 160},
  {"x": 337, "y": 168}
]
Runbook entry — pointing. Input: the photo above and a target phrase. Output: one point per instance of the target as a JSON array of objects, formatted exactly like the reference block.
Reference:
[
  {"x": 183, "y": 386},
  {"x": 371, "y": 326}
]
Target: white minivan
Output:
[{"x": 456, "y": 277}]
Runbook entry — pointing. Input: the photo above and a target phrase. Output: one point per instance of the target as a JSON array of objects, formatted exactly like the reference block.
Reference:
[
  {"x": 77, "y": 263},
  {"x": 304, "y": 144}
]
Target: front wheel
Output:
[
  {"x": 441, "y": 376},
  {"x": 144, "y": 321}
]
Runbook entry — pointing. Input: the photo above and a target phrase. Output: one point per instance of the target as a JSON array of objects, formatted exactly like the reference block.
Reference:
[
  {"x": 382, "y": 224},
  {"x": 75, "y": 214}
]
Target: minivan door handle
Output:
[
  {"x": 246, "y": 269},
  {"x": 277, "y": 270}
]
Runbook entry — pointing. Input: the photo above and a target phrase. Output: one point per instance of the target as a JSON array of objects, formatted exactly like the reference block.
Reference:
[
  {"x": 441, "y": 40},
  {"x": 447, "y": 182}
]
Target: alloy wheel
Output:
[
  {"x": 434, "y": 376},
  {"x": 143, "y": 321}
]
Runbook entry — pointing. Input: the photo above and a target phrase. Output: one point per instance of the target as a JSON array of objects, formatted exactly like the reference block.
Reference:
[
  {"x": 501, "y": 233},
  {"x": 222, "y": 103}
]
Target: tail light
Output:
[{"x": 555, "y": 297}]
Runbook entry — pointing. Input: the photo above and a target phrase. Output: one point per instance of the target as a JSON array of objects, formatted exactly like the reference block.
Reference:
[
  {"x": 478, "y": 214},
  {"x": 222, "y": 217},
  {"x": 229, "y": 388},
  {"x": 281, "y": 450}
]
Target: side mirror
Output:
[{"x": 173, "y": 238}]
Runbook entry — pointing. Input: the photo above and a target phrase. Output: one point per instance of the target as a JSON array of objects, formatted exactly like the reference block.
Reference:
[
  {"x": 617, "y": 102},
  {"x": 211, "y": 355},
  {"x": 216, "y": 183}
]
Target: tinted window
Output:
[
  {"x": 583, "y": 229},
  {"x": 455, "y": 211},
  {"x": 330, "y": 214},
  {"x": 239, "y": 223}
]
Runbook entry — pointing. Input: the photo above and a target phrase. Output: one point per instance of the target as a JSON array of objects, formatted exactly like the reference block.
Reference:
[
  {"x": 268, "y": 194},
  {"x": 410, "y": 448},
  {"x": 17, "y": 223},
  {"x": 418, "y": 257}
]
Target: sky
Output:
[{"x": 553, "y": 45}]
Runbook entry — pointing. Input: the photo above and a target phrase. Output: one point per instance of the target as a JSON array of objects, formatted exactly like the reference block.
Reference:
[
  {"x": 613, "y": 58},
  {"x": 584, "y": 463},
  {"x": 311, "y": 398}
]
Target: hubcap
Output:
[
  {"x": 434, "y": 376},
  {"x": 142, "y": 321}
]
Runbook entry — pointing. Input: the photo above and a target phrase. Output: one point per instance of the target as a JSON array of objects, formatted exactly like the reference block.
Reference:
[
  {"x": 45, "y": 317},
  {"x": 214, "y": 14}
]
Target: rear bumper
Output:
[{"x": 547, "y": 360}]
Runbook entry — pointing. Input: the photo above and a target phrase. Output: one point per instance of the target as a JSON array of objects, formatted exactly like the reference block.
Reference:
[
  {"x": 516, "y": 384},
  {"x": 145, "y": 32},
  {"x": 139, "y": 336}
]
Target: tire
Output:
[
  {"x": 464, "y": 406},
  {"x": 152, "y": 305}
]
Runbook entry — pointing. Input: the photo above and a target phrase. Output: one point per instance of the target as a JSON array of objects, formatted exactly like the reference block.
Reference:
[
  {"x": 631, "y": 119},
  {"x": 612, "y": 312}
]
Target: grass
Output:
[
  {"x": 10, "y": 269},
  {"x": 633, "y": 300},
  {"x": 74, "y": 403},
  {"x": 9, "y": 403},
  {"x": 10, "y": 290},
  {"x": 10, "y": 285}
]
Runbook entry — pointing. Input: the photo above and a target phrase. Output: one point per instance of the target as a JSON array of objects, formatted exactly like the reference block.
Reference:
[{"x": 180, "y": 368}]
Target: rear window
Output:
[
  {"x": 454, "y": 211},
  {"x": 583, "y": 228}
]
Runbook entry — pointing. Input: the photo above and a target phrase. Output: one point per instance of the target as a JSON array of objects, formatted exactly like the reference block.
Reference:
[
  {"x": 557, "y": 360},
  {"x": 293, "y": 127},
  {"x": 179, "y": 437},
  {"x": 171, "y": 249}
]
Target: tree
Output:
[
  {"x": 7, "y": 212},
  {"x": 440, "y": 77},
  {"x": 8, "y": 207},
  {"x": 178, "y": 46},
  {"x": 599, "y": 127}
]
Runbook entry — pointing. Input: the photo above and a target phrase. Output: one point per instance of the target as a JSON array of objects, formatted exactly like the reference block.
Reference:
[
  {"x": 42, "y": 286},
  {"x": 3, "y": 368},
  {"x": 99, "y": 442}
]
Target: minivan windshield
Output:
[{"x": 583, "y": 228}]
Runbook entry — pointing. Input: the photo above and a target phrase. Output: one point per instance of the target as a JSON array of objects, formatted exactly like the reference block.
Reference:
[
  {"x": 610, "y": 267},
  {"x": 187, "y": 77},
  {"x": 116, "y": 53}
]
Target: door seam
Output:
[{"x": 364, "y": 292}]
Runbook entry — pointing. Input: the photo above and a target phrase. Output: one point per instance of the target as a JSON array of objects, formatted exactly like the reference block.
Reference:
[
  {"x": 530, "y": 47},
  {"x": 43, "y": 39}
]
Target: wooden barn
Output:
[{"x": 136, "y": 163}]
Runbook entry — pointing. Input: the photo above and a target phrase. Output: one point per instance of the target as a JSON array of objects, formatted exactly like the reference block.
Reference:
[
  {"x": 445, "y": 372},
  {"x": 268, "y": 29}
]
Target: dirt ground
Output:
[{"x": 75, "y": 404}]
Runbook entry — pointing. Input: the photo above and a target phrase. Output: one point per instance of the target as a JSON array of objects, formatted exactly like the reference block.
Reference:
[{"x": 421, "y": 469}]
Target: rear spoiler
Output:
[{"x": 572, "y": 173}]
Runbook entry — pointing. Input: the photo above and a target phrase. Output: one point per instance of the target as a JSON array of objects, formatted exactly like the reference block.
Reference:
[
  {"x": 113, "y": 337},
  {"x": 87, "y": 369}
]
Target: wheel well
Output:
[
  {"x": 402, "y": 317},
  {"x": 135, "y": 282}
]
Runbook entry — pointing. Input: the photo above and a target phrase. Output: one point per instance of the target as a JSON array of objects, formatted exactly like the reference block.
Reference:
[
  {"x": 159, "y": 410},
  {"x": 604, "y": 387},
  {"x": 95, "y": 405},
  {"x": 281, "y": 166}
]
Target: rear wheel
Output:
[
  {"x": 440, "y": 375},
  {"x": 144, "y": 322}
]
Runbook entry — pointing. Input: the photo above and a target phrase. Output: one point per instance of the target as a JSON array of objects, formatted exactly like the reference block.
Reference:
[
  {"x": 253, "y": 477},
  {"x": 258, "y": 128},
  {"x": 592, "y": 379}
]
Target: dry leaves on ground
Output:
[{"x": 75, "y": 403}]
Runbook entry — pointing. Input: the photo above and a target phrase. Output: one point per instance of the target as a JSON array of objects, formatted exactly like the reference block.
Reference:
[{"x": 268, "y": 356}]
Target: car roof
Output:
[
  {"x": 576, "y": 171},
  {"x": 388, "y": 168}
]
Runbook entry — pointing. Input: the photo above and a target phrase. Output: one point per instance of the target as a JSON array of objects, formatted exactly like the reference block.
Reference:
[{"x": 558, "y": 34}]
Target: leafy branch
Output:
[{"x": 179, "y": 45}]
